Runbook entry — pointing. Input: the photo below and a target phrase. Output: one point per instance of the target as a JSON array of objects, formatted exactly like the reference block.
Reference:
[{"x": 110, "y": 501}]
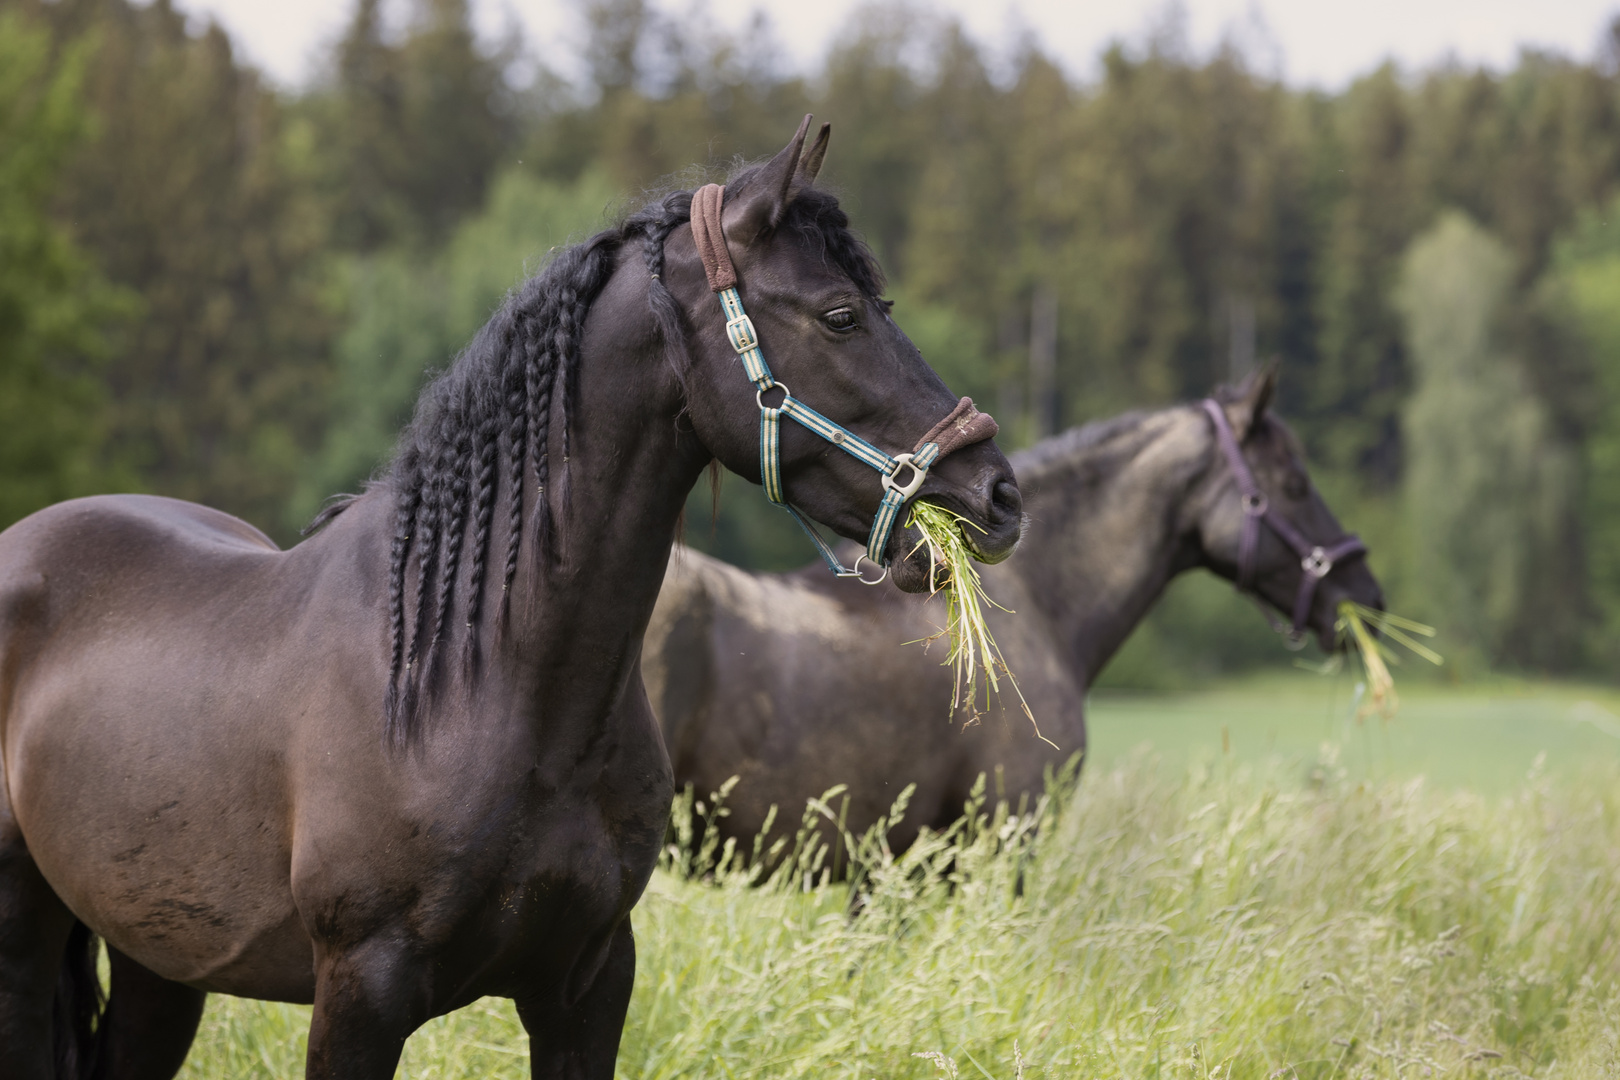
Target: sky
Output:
[{"x": 1323, "y": 43}]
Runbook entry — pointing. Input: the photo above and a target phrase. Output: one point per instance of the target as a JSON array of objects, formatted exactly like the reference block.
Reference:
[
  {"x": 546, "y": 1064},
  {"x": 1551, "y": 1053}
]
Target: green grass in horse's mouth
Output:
[
  {"x": 1355, "y": 626},
  {"x": 951, "y": 571}
]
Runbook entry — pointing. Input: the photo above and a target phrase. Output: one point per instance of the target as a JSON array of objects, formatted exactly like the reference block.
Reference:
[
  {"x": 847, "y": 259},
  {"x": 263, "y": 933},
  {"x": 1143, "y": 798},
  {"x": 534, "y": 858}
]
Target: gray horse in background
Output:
[{"x": 797, "y": 682}]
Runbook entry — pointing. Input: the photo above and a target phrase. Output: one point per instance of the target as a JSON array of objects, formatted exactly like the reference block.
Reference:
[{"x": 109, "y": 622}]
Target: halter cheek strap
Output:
[
  {"x": 1316, "y": 561},
  {"x": 900, "y": 474}
]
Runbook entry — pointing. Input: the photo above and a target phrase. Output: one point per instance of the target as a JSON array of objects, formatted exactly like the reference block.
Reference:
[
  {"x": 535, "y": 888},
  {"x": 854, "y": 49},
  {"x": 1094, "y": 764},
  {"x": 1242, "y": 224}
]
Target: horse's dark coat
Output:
[
  {"x": 795, "y": 683},
  {"x": 192, "y": 723}
]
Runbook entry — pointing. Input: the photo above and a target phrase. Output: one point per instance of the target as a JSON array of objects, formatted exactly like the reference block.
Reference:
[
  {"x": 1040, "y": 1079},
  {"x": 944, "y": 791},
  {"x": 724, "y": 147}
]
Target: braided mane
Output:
[{"x": 483, "y": 426}]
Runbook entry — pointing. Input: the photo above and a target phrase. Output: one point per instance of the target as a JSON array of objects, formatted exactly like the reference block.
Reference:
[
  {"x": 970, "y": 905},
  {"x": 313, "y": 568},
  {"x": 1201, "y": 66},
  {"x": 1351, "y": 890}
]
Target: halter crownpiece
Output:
[
  {"x": 1315, "y": 561},
  {"x": 901, "y": 474}
]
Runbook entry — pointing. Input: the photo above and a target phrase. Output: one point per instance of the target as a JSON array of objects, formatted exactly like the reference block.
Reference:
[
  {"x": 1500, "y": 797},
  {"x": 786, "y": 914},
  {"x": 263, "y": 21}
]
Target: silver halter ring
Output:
[
  {"x": 1255, "y": 505},
  {"x": 857, "y": 570},
  {"x": 1317, "y": 564},
  {"x": 759, "y": 396}
]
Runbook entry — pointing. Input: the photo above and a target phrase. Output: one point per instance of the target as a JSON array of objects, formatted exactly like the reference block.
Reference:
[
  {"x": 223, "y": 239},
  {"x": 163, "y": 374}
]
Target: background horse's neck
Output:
[{"x": 1107, "y": 530}]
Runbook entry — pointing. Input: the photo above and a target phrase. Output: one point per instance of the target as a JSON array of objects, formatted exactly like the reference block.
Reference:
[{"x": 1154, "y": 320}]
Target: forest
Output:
[{"x": 222, "y": 290}]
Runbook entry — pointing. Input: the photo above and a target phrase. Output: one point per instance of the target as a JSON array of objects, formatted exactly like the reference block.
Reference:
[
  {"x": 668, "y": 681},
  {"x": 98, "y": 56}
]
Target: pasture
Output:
[{"x": 1280, "y": 909}]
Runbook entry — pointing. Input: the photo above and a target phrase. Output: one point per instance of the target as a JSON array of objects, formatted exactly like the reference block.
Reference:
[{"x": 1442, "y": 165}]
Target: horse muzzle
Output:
[{"x": 990, "y": 503}]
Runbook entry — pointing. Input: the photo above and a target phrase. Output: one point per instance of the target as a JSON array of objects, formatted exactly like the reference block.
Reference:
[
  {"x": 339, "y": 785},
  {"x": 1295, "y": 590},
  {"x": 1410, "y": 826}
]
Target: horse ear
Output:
[
  {"x": 1253, "y": 399},
  {"x": 810, "y": 163},
  {"x": 758, "y": 206}
]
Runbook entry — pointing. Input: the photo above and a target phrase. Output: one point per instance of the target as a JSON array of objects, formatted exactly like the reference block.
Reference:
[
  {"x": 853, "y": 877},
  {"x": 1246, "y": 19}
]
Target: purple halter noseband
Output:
[{"x": 1316, "y": 561}]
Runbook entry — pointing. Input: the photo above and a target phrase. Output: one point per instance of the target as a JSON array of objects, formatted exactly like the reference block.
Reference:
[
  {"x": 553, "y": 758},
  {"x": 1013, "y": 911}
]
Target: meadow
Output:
[{"x": 1269, "y": 890}]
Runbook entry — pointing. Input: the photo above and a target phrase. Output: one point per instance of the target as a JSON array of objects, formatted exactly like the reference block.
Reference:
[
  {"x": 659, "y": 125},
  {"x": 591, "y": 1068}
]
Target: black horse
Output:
[
  {"x": 795, "y": 684},
  {"x": 410, "y": 762}
]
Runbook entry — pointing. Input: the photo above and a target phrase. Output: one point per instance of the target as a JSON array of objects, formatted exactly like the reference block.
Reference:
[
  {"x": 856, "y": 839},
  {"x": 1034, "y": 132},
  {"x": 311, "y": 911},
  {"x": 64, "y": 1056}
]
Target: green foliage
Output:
[
  {"x": 1489, "y": 485},
  {"x": 190, "y": 196},
  {"x": 1583, "y": 291},
  {"x": 1229, "y": 923},
  {"x": 54, "y": 308},
  {"x": 412, "y": 131},
  {"x": 410, "y": 314}
]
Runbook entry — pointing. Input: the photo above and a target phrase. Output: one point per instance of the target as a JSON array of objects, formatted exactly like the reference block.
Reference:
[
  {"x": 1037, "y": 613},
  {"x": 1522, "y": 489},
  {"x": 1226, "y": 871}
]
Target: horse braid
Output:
[
  {"x": 486, "y": 456},
  {"x": 517, "y": 440},
  {"x": 428, "y": 519},
  {"x": 667, "y": 313},
  {"x": 544, "y": 370},
  {"x": 456, "y": 462},
  {"x": 566, "y": 344},
  {"x": 398, "y": 555}
]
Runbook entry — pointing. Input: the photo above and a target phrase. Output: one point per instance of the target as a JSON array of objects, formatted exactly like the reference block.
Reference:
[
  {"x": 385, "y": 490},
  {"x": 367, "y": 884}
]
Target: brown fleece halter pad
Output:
[
  {"x": 711, "y": 238},
  {"x": 964, "y": 426}
]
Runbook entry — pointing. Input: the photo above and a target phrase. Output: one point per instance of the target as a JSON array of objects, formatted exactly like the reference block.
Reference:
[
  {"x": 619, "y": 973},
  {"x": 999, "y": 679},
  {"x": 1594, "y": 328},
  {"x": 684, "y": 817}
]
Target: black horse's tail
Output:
[{"x": 76, "y": 1013}]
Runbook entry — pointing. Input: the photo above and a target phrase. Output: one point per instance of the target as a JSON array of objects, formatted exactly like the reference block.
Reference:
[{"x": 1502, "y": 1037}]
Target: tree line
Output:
[{"x": 219, "y": 290}]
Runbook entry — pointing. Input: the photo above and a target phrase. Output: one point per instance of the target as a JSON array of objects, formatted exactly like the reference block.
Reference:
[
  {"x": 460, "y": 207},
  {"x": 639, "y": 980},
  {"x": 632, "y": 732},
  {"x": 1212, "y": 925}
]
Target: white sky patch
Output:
[{"x": 1308, "y": 42}]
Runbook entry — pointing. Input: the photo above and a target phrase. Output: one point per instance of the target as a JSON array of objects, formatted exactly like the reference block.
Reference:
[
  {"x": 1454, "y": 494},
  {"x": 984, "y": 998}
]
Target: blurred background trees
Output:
[{"x": 221, "y": 291}]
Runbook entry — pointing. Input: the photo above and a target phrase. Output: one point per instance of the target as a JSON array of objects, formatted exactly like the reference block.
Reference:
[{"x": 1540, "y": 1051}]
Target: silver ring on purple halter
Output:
[
  {"x": 1317, "y": 564},
  {"x": 1256, "y": 505}
]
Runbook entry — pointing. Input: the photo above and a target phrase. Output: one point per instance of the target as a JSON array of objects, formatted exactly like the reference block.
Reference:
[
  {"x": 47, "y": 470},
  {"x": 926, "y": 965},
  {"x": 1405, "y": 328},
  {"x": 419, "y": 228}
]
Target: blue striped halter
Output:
[{"x": 706, "y": 229}]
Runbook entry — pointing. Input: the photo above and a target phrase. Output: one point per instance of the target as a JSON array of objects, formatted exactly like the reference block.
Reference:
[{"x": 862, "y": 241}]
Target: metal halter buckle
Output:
[
  {"x": 1255, "y": 505},
  {"x": 1317, "y": 564},
  {"x": 742, "y": 334},
  {"x": 907, "y": 490}
]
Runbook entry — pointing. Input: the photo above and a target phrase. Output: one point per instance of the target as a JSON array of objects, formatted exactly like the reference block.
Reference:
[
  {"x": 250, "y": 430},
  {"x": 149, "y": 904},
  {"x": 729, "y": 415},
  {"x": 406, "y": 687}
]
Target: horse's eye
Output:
[{"x": 840, "y": 319}]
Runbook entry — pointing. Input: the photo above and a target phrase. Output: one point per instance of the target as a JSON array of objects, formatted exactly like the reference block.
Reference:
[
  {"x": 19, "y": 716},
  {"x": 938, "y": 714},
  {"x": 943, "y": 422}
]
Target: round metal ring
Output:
[
  {"x": 857, "y": 568},
  {"x": 1255, "y": 505},
  {"x": 759, "y": 395},
  {"x": 1317, "y": 564}
]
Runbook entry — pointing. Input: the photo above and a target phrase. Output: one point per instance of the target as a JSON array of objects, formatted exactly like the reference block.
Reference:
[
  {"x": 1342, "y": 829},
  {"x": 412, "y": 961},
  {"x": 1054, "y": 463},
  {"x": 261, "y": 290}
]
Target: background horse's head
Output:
[
  {"x": 814, "y": 293},
  {"x": 1276, "y": 574}
]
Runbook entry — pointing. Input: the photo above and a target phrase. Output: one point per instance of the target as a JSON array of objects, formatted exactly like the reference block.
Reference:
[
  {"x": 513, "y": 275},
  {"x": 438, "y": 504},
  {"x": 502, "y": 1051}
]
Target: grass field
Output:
[
  {"x": 1484, "y": 737},
  {"x": 1277, "y": 909}
]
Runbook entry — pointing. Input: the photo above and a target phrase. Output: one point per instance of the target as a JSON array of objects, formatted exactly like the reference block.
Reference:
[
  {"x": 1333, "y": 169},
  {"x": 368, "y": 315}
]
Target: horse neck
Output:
[
  {"x": 582, "y": 598},
  {"x": 1107, "y": 529}
]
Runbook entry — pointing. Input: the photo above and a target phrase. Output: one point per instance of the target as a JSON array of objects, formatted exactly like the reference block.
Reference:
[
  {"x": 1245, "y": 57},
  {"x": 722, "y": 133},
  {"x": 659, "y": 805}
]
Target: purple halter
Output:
[{"x": 1316, "y": 561}]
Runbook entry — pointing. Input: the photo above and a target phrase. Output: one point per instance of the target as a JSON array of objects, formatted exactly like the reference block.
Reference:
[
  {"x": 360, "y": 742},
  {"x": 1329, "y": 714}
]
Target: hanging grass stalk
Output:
[
  {"x": 972, "y": 649},
  {"x": 1358, "y": 622}
]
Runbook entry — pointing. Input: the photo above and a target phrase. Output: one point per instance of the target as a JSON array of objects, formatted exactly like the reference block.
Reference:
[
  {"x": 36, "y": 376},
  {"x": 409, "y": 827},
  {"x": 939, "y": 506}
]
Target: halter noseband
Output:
[
  {"x": 964, "y": 425},
  {"x": 1316, "y": 561}
]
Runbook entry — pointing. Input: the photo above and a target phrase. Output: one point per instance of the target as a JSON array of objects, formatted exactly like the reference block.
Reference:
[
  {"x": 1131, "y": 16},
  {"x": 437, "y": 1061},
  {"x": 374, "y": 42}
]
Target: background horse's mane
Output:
[
  {"x": 1063, "y": 451},
  {"x": 485, "y": 422},
  {"x": 1105, "y": 444}
]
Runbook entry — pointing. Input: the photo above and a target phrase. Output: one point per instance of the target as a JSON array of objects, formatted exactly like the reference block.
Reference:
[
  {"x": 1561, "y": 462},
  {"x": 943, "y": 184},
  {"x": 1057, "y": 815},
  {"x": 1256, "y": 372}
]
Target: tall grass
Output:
[{"x": 1215, "y": 924}]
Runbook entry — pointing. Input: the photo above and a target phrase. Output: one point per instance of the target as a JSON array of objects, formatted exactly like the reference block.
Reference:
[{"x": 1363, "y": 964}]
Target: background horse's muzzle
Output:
[{"x": 1350, "y": 580}]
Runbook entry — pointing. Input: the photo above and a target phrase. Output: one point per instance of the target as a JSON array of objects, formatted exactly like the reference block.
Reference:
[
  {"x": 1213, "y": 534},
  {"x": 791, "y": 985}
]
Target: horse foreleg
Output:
[
  {"x": 368, "y": 1000},
  {"x": 147, "y": 1029},
  {"x": 581, "y": 1042}
]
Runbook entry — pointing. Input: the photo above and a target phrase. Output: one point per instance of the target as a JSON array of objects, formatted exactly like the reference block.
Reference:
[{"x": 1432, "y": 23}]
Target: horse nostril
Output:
[{"x": 1005, "y": 501}]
